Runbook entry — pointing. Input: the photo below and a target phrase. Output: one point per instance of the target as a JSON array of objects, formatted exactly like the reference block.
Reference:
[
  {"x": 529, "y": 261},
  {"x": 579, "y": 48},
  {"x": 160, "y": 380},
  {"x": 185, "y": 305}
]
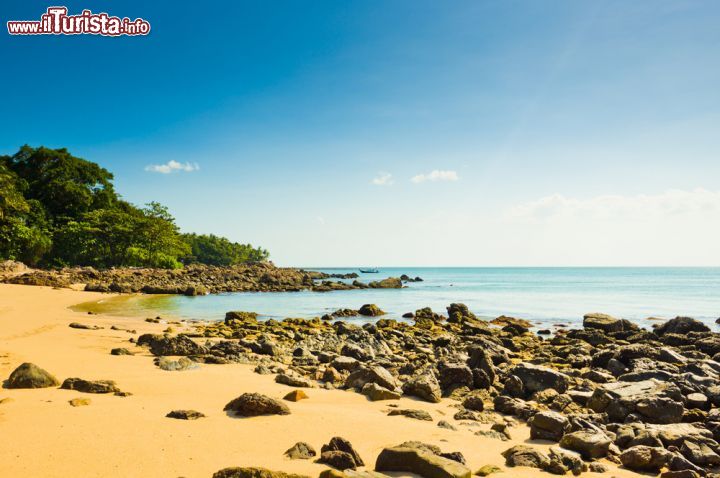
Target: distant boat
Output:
[{"x": 369, "y": 271}]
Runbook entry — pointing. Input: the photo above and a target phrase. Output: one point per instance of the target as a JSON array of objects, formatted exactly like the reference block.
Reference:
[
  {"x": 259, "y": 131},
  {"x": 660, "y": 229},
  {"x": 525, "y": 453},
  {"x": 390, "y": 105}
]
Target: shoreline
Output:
[{"x": 130, "y": 436}]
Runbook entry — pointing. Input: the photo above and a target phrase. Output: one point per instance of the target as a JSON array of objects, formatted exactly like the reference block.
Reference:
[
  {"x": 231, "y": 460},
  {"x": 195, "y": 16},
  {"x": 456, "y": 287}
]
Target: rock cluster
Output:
[
  {"x": 645, "y": 398},
  {"x": 191, "y": 280}
]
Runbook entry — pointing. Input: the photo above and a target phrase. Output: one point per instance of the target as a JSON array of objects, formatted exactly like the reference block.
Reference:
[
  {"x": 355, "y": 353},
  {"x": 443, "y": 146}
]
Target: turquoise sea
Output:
[{"x": 545, "y": 295}]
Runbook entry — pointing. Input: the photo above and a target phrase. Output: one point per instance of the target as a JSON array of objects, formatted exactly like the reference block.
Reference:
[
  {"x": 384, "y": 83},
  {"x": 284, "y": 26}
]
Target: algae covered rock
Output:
[
  {"x": 370, "y": 310},
  {"x": 29, "y": 375},
  {"x": 255, "y": 404},
  {"x": 420, "y": 460},
  {"x": 90, "y": 386},
  {"x": 253, "y": 472}
]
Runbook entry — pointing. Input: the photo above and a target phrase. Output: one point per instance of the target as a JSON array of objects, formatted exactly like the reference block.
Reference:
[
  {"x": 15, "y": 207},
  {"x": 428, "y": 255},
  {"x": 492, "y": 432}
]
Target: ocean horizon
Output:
[{"x": 547, "y": 296}]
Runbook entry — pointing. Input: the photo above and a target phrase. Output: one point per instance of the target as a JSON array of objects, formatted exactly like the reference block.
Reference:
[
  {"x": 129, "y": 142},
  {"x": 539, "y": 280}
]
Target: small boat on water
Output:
[{"x": 371, "y": 270}]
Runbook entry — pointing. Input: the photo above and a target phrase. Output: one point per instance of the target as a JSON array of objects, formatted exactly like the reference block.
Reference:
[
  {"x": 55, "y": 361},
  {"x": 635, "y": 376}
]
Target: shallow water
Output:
[{"x": 546, "y": 296}]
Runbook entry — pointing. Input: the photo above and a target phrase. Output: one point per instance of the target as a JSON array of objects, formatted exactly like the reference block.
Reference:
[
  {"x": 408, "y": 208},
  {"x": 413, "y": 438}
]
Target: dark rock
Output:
[
  {"x": 374, "y": 374},
  {"x": 293, "y": 380},
  {"x": 536, "y": 378},
  {"x": 339, "y": 444},
  {"x": 681, "y": 326},
  {"x": 300, "y": 451},
  {"x": 548, "y": 426},
  {"x": 474, "y": 402},
  {"x": 645, "y": 458},
  {"x": 254, "y": 404},
  {"x": 185, "y": 414},
  {"x": 29, "y": 375},
  {"x": 590, "y": 444},
  {"x": 523, "y": 455},
  {"x": 338, "y": 459},
  {"x": 161, "y": 345},
  {"x": 76, "y": 325},
  {"x": 420, "y": 461},
  {"x": 120, "y": 351},
  {"x": 425, "y": 387},
  {"x": 451, "y": 376},
  {"x": 411, "y": 413},
  {"x": 370, "y": 310},
  {"x": 253, "y": 472},
  {"x": 376, "y": 393},
  {"x": 90, "y": 386}
]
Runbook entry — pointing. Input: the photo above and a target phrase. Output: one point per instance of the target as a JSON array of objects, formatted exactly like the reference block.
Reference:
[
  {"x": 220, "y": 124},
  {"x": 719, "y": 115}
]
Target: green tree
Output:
[
  {"x": 219, "y": 251},
  {"x": 67, "y": 186}
]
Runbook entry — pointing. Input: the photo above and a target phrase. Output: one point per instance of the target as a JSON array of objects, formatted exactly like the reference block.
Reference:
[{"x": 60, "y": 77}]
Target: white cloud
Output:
[
  {"x": 383, "y": 179},
  {"x": 320, "y": 220},
  {"x": 436, "y": 175},
  {"x": 172, "y": 166},
  {"x": 674, "y": 202}
]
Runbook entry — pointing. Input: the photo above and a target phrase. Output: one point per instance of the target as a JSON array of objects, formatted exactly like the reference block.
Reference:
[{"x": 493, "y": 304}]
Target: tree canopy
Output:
[{"x": 58, "y": 210}]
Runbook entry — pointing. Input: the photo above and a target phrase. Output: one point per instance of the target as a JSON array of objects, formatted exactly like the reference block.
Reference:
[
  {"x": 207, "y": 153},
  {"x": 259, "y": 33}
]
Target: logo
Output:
[{"x": 56, "y": 21}]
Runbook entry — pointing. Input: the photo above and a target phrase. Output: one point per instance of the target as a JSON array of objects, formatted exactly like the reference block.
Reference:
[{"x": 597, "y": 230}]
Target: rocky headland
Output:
[{"x": 192, "y": 279}]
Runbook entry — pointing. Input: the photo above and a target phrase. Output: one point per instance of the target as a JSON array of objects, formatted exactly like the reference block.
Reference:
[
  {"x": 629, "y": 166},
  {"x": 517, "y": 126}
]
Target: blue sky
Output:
[{"x": 561, "y": 132}]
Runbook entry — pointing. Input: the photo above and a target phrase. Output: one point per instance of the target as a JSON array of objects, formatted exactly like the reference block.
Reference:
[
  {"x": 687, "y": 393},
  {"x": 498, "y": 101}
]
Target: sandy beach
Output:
[{"x": 130, "y": 436}]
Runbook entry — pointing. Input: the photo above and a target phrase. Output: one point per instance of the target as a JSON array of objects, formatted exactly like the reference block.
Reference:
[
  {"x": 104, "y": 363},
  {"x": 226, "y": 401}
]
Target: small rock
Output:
[
  {"x": 255, "y": 404},
  {"x": 185, "y": 414},
  {"x": 488, "y": 470},
  {"x": 376, "y": 393},
  {"x": 120, "y": 351},
  {"x": 293, "y": 380},
  {"x": 300, "y": 451},
  {"x": 295, "y": 396},
  {"x": 79, "y": 402},
  {"x": 76, "y": 325},
  {"x": 411, "y": 413}
]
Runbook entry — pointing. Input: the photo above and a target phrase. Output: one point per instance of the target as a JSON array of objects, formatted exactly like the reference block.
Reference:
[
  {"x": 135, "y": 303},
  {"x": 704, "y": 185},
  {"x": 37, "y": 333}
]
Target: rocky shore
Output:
[
  {"x": 644, "y": 399},
  {"x": 443, "y": 394},
  {"x": 192, "y": 279}
]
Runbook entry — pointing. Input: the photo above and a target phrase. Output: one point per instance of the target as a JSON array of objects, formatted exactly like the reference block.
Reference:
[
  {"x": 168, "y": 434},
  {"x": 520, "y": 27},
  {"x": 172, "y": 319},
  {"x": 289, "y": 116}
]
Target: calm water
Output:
[{"x": 544, "y": 295}]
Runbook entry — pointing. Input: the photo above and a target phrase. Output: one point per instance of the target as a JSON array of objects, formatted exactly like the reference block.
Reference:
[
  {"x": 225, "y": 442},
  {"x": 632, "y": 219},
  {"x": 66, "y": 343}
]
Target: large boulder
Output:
[
  {"x": 376, "y": 393},
  {"x": 523, "y": 455},
  {"x": 645, "y": 458},
  {"x": 389, "y": 283},
  {"x": 548, "y": 425},
  {"x": 654, "y": 401},
  {"x": 421, "y": 461},
  {"x": 29, "y": 375},
  {"x": 536, "y": 378},
  {"x": 681, "y": 326},
  {"x": 590, "y": 444},
  {"x": 375, "y": 374},
  {"x": 607, "y": 323},
  {"x": 255, "y": 404},
  {"x": 454, "y": 375},
  {"x": 370, "y": 310},
  {"x": 340, "y": 454},
  {"x": 425, "y": 387},
  {"x": 300, "y": 451}
]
